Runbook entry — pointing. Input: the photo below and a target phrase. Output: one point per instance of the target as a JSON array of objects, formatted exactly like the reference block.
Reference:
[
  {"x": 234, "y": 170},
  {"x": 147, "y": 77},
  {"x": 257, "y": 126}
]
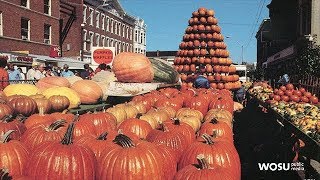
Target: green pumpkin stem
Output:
[
  {"x": 214, "y": 121},
  {"x": 202, "y": 162},
  {"x": 56, "y": 125},
  {"x": 4, "y": 175},
  {"x": 207, "y": 139},
  {"x": 103, "y": 136},
  {"x": 7, "y": 118},
  {"x": 68, "y": 136},
  {"x": 124, "y": 141},
  {"x": 6, "y": 136}
]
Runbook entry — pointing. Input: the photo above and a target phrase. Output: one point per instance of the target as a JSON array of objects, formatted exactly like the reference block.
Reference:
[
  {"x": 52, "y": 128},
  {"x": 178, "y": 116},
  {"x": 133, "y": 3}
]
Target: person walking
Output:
[
  {"x": 4, "y": 76},
  {"x": 66, "y": 72}
]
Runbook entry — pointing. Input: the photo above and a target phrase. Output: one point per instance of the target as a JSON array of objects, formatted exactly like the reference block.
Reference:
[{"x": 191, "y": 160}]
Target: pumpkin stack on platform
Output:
[{"x": 202, "y": 51}]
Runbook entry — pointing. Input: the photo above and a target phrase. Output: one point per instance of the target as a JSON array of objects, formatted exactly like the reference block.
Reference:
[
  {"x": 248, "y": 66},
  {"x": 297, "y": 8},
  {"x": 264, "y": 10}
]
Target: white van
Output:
[{"x": 242, "y": 72}]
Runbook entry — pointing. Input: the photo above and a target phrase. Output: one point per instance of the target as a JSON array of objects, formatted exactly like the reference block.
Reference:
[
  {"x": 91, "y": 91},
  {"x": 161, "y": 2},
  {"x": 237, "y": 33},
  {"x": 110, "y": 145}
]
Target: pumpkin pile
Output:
[
  {"x": 165, "y": 134},
  {"x": 203, "y": 50}
]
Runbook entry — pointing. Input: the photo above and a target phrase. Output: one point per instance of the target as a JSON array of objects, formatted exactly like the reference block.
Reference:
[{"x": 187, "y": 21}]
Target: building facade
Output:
[
  {"x": 140, "y": 42},
  {"x": 293, "y": 24},
  {"x": 70, "y": 28},
  {"x": 28, "y": 27}
]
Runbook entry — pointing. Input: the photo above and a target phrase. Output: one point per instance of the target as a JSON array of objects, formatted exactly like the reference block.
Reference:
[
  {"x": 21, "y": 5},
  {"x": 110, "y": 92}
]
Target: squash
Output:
[
  {"x": 21, "y": 89},
  {"x": 73, "y": 79},
  {"x": 52, "y": 81},
  {"x": 71, "y": 94},
  {"x": 132, "y": 67},
  {"x": 88, "y": 90},
  {"x": 163, "y": 72}
]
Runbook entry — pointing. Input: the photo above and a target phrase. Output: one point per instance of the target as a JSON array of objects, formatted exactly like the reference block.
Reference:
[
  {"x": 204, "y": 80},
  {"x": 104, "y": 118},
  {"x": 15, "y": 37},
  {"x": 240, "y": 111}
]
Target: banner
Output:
[
  {"x": 102, "y": 55},
  {"x": 54, "y": 51}
]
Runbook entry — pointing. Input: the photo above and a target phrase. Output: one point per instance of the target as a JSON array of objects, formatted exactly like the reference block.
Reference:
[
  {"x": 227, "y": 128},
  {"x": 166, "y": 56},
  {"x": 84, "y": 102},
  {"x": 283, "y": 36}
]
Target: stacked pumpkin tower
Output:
[{"x": 202, "y": 51}]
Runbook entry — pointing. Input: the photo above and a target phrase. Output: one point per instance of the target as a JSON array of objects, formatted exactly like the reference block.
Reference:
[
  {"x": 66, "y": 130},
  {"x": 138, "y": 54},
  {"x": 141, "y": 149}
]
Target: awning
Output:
[{"x": 44, "y": 58}]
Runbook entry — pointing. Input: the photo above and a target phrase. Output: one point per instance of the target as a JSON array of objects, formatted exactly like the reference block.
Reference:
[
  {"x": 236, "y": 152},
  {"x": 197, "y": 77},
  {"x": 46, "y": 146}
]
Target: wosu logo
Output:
[{"x": 280, "y": 166}]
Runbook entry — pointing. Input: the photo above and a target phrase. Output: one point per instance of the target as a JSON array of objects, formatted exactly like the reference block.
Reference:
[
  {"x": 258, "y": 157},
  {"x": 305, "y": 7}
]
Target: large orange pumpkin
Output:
[
  {"x": 89, "y": 91},
  {"x": 132, "y": 67},
  {"x": 52, "y": 81}
]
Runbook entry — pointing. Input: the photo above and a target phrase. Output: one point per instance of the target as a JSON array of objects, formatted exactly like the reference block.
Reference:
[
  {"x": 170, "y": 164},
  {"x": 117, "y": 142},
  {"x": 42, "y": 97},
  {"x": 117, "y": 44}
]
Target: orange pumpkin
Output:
[
  {"x": 52, "y": 81},
  {"x": 89, "y": 91},
  {"x": 127, "y": 67}
]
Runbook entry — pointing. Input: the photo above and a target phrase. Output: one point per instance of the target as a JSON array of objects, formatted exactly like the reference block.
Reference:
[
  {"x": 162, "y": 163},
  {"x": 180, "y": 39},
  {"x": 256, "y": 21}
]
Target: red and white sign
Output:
[
  {"x": 54, "y": 51},
  {"x": 102, "y": 55}
]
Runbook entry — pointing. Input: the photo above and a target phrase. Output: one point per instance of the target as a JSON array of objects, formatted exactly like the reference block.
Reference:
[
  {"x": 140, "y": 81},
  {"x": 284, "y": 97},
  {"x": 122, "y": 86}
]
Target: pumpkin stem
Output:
[
  {"x": 202, "y": 162},
  {"x": 124, "y": 141},
  {"x": 207, "y": 139},
  {"x": 103, "y": 136},
  {"x": 215, "y": 133},
  {"x": 138, "y": 115},
  {"x": 162, "y": 127},
  {"x": 41, "y": 111},
  {"x": 176, "y": 121},
  {"x": 4, "y": 174},
  {"x": 6, "y": 136},
  {"x": 67, "y": 139},
  {"x": 76, "y": 117},
  {"x": 120, "y": 131},
  {"x": 214, "y": 121},
  {"x": 7, "y": 118},
  {"x": 56, "y": 125}
]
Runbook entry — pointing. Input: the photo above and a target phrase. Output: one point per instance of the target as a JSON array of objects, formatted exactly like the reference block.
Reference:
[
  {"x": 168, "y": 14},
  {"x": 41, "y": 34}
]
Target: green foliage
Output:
[{"x": 307, "y": 61}]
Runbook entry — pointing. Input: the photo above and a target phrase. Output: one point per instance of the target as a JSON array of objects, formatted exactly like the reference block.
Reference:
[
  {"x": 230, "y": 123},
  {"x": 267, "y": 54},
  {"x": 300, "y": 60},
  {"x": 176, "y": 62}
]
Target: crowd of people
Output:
[{"x": 10, "y": 74}]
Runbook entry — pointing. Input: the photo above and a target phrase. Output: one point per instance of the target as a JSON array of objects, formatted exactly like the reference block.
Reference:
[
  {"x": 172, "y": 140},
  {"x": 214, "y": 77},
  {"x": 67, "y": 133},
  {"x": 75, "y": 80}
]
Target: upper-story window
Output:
[
  {"x": 102, "y": 21},
  {"x": 131, "y": 35},
  {"x": 97, "y": 19},
  {"x": 107, "y": 23},
  {"x": 47, "y": 34},
  {"x": 123, "y": 30},
  {"x": 119, "y": 29},
  {"x": 91, "y": 39},
  {"x": 115, "y": 27},
  {"x": 25, "y": 3},
  {"x": 25, "y": 29},
  {"x": 97, "y": 40},
  {"x": 1, "y": 26},
  {"x": 91, "y": 16},
  {"x": 141, "y": 38},
  {"x": 84, "y": 40},
  {"x": 47, "y": 7},
  {"x": 127, "y": 32},
  {"x": 136, "y": 36},
  {"x": 103, "y": 40},
  {"x": 107, "y": 42},
  {"x": 84, "y": 13},
  {"x": 111, "y": 25}
]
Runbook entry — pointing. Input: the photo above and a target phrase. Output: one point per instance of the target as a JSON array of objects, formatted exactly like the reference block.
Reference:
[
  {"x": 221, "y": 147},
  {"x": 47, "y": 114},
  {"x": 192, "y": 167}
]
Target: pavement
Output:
[{"x": 259, "y": 139}]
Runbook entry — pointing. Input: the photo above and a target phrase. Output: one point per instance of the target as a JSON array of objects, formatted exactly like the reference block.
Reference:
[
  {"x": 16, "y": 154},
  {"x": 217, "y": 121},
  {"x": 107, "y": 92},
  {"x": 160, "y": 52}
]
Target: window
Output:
[
  {"x": 84, "y": 13},
  {"x": 116, "y": 27},
  {"x": 123, "y": 47},
  {"x": 107, "y": 42},
  {"x": 111, "y": 25},
  {"x": 119, "y": 29},
  {"x": 111, "y": 43},
  {"x": 97, "y": 19},
  {"x": 25, "y": 3},
  {"x": 47, "y": 34},
  {"x": 1, "y": 26},
  {"x": 84, "y": 40},
  {"x": 131, "y": 33},
  {"x": 144, "y": 39},
  {"x": 97, "y": 40},
  {"x": 102, "y": 21},
  {"x": 91, "y": 16},
  {"x": 25, "y": 30},
  {"x": 123, "y": 30},
  {"x": 103, "y": 41},
  {"x": 136, "y": 36},
  {"x": 91, "y": 40},
  {"x": 141, "y": 38},
  {"x": 131, "y": 48},
  {"x": 108, "y": 23},
  {"x": 47, "y": 7},
  {"x": 127, "y": 32},
  {"x": 119, "y": 47}
]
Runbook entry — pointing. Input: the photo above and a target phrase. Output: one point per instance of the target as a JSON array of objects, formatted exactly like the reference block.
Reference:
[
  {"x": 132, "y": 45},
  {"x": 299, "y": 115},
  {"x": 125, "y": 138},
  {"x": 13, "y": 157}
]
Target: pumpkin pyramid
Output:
[{"x": 202, "y": 51}]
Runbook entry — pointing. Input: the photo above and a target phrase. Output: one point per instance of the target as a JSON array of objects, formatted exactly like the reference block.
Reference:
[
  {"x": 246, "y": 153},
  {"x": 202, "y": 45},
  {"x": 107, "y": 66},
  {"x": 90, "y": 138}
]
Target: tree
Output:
[{"x": 307, "y": 61}]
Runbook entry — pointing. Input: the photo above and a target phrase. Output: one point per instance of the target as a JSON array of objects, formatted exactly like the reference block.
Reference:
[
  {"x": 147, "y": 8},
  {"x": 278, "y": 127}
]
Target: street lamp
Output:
[
  {"x": 228, "y": 37},
  {"x": 84, "y": 24}
]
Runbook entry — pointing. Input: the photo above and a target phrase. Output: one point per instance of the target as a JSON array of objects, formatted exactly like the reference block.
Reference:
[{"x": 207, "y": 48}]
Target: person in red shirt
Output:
[{"x": 4, "y": 76}]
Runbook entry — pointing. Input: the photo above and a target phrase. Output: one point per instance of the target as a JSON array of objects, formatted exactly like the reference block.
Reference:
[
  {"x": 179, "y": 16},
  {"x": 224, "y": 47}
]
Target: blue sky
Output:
[{"x": 167, "y": 20}]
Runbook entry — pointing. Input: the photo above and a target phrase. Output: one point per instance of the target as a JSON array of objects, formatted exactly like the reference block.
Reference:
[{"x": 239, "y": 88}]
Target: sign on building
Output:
[{"x": 101, "y": 55}]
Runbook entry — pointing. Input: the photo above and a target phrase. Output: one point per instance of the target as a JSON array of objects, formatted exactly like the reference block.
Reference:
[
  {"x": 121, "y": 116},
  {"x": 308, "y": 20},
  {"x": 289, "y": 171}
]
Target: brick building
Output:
[
  {"x": 28, "y": 26},
  {"x": 73, "y": 26}
]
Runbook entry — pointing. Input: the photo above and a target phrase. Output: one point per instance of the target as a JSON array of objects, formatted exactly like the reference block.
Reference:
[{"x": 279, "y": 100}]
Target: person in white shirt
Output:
[
  {"x": 40, "y": 72},
  {"x": 31, "y": 72}
]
